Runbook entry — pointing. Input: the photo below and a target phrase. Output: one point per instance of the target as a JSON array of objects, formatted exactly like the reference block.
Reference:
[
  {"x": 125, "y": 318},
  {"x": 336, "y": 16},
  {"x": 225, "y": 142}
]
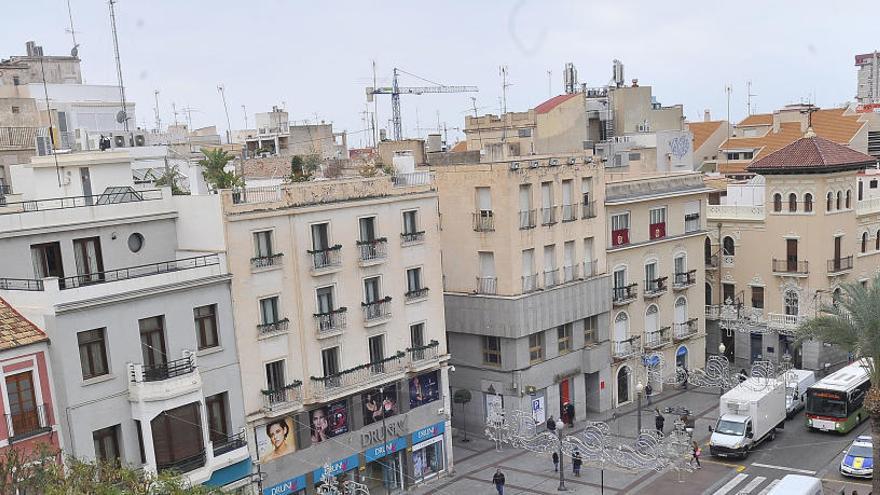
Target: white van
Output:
[
  {"x": 796, "y": 384},
  {"x": 796, "y": 484}
]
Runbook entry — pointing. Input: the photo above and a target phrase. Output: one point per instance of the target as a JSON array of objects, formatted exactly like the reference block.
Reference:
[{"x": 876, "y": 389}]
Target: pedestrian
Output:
[
  {"x": 684, "y": 384},
  {"x": 648, "y": 392},
  {"x": 498, "y": 481},
  {"x": 855, "y": 492},
  {"x": 695, "y": 454},
  {"x": 659, "y": 420},
  {"x": 742, "y": 375},
  {"x": 576, "y": 462},
  {"x": 555, "y": 462},
  {"x": 569, "y": 413},
  {"x": 551, "y": 424}
]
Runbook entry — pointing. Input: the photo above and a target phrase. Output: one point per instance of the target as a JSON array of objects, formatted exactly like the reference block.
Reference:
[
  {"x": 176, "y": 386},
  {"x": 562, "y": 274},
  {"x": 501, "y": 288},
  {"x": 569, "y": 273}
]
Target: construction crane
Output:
[{"x": 396, "y": 90}]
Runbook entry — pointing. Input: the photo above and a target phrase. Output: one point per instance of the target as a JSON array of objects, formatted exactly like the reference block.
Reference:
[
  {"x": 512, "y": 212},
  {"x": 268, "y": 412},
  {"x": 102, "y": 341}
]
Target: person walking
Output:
[
  {"x": 659, "y": 420},
  {"x": 695, "y": 455},
  {"x": 576, "y": 462},
  {"x": 648, "y": 392},
  {"x": 551, "y": 424},
  {"x": 743, "y": 376},
  {"x": 555, "y": 462},
  {"x": 498, "y": 481},
  {"x": 684, "y": 384},
  {"x": 569, "y": 413}
]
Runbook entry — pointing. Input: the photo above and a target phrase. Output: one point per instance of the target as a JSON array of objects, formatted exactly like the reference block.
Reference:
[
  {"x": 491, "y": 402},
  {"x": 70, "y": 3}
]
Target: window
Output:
[
  {"x": 873, "y": 184},
  {"x": 263, "y": 244},
  {"x": 526, "y": 218},
  {"x": 16, "y": 109},
  {"x": 651, "y": 282},
  {"x": 16, "y": 80},
  {"x": 218, "y": 428},
  {"x": 680, "y": 264},
  {"x": 330, "y": 361},
  {"x": 591, "y": 329},
  {"x": 848, "y": 199},
  {"x": 808, "y": 202},
  {"x": 777, "y": 202},
  {"x": 89, "y": 264},
  {"x": 320, "y": 236},
  {"x": 24, "y": 415},
  {"x": 828, "y": 203},
  {"x": 135, "y": 242},
  {"x": 757, "y": 297},
  {"x": 417, "y": 335},
  {"x": 792, "y": 202},
  {"x": 524, "y": 133},
  {"x": 106, "y": 442},
  {"x": 658, "y": 222},
  {"x": 275, "y": 375},
  {"x": 324, "y": 296},
  {"x": 652, "y": 321},
  {"x": 563, "y": 335},
  {"x": 177, "y": 437},
  {"x": 728, "y": 293},
  {"x": 619, "y": 278},
  {"x": 877, "y": 241},
  {"x": 484, "y": 201},
  {"x": 367, "y": 229},
  {"x": 568, "y": 210},
  {"x": 269, "y": 310},
  {"x": 837, "y": 206},
  {"x": 861, "y": 190},
  {"x": 634, "y": 157},
  {"x": 492, "y": 350},
  {"x": 536, "y": 347},
  {"x": 620, "y": 229},
  {"x": 791, "y": 303},
  {"x": 547, "y": 208},
  {"x": 376, "y": 347},
  {"x": 371, "y": 290},
  {"x": 411, "y": 222},
  {"x": 414, "y": 281},
  {"x": 206, "y": 325},
  {"x": 92, "y": 353},
  {"x": 864, "y": 242},
  {"x": 47, "y": 262},
  {"x": 586, "y": 188},
  {"x": 728, "y": 247}
]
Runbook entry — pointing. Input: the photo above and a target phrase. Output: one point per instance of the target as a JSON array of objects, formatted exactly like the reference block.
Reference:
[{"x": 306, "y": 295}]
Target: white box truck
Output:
[
  {"x": 748, "y": 414},
  {"x": 796, "y": 383}
]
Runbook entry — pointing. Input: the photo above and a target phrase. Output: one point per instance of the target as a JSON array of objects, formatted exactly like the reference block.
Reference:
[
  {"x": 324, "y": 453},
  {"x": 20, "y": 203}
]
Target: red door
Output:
[
  {"x": 563, "y": 399},
  {"x": 22, "y": 403}
]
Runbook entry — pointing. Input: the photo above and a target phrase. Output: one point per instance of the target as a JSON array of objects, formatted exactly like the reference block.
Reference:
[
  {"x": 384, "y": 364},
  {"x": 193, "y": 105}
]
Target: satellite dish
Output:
[
  {"x": 121, "y": 117},
  {"x": 74, "y": 52}
]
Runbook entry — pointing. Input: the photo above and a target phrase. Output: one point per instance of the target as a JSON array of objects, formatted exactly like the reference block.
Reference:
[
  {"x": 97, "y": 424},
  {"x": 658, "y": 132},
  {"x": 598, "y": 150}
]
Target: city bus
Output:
[{"x": 836, "y": 402}]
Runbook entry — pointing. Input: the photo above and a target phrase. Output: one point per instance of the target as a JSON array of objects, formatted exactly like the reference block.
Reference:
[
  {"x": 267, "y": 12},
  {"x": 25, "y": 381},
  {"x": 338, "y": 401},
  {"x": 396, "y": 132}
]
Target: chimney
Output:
[{"x": 707, "y": 117}]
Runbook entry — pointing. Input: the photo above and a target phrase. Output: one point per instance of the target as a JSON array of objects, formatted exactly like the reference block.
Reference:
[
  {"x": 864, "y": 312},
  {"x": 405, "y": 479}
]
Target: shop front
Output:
[
  {"x": 343, "y": 470},
  {"x": 428, "y": 452},
  {"x": 383, "y": 466},
  {"x": 293, "y": 486}
]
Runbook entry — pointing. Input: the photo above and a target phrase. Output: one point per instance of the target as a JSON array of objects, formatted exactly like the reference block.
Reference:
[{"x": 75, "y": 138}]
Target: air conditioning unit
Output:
[
  {"x": 514, "y": 166},
  {"x": 554, "y": 162},
  {"x": 572, "y": 161},
  {"x": 140, "y": 140},
  {"x": 533, "y": 164},
  {"x": 119, "y": 142},
  {"x": 44, "y": 145}
]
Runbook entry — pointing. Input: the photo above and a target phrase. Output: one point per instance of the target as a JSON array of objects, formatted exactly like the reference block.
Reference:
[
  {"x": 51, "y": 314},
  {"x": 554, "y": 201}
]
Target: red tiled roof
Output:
[
  {"x": 459, "y": 146},
  {"x": 553, "y": 103},
  {"x": 16, "y": 330},
  {"x": 757, "y": 119},
  {"x": 812, "y": 152},
  {"x": 702, "y": 130}
]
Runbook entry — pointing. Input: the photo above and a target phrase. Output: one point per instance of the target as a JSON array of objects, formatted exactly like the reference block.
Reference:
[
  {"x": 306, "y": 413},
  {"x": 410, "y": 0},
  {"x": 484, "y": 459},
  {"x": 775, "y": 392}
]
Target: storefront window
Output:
[
  {"x": 428, "y": 461},
  {"x": 386, "y": 472}
]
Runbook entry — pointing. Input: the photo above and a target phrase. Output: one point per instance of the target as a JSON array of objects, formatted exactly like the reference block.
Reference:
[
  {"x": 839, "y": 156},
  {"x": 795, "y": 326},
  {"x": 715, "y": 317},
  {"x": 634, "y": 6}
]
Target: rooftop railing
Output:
[
  {"x": 121, "y": 196},
  {"x": 139, "y": 271}
]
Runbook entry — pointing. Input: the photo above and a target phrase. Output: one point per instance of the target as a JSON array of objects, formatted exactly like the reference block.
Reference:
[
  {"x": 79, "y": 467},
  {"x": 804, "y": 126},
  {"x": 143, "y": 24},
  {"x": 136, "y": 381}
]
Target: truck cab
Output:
[{"x": 731, "y": 435}]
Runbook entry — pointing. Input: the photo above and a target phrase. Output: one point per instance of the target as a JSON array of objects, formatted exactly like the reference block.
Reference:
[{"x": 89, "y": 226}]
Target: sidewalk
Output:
[{"x": 529, "y": 473}]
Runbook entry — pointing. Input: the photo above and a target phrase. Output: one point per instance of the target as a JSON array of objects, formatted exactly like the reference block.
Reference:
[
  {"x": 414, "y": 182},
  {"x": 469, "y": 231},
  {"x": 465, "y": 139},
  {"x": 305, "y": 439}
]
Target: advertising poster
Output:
[
  {"x": 328, "y": 421},
  {"x": 424, "y": 389},
  {"x": 275, "y": 439},
  {"x": 375, "y": 402}
]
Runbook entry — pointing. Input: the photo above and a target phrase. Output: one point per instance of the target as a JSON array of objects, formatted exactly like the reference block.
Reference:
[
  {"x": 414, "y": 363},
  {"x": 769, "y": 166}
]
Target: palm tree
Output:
[
  {"x": 172, "y": 178},
  {"x": 213, "y": 168},
  {"x": 852, "y": 321}
]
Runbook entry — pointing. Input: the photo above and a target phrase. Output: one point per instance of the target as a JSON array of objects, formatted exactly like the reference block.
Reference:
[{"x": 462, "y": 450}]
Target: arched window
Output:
[
  {"x": 792, "y": 202},
  {"x": 864, "y": 242},
  {"x": 621, "y": 326},
  {"x": 681, "y": 357},
  {"x": 681, "y": 311},
  {"x": 623, "y": 375},
  {"x": 828, "y": 203},
  {"x": 729, "y": 248},
  {"x": 808, "y": 202},
  {"x": 837, "y": 205},
  {"x": 791, "y": 303},
  {"x": 777, "y": 202},
  {"x": 652, "y": 320},
  {"x": 708, "y": 293},
  {"x": 848, "y": 199}
]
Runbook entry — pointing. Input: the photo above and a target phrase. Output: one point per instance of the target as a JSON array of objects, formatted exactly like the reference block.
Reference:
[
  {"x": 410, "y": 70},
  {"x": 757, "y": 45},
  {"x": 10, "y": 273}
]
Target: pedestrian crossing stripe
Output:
[
  {"x": 769, "y": 487},
  {"x": 724, "y": 490}
]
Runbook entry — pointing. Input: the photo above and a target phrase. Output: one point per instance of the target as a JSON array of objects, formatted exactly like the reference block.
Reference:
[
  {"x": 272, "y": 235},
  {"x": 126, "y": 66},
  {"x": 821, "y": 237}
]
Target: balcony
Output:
[
  {"x": 791, "y": 267},
  {"x": 530, "y": 283},
  {"x": 548, "y": 215},
  {"x": 655, "y": 287},
  {"x": 266, "y": 261},
  {"x": 273, "y": 328},
  {"x": 591, "y": 268},
  {"x": 658, "y": 339},
  {"x": 165, "y": 380},
  {"x": 113, "y": 196},
  {"x": 372, "y": 252},
  {"x": 423, "y": 356},
  {"x": 487, "y": 285},
  {"x": 588, "y": 210},
  {"x": 138, "y": 271},
  {"x": 712, "y": 262},
  {"x": 569, "y": 213},
  {"x": 25, "y": 284},
  {"x": 484, "y": 221},
  {"x": 527, "y": 219},
  {"x": 735, "y": 212},
  {"x": 330, "y": 323},
  {"x": 686, "y": 330},
  {"x": 230, "y": 443},
  {"x": 624, "y": 349},
  {"x": 416, "y": 294},
  {"x": 410, "y": 238},
  {"x": 551, "y": 278},
  {"x": 287, "y": 397},
  {"x": 684, "y": 280},
  {"x": 840, "y": 265},
  {"x": 184, "y": 465},
  {"x": 326, "y": 259},
  {"x": 624, "y": 295},
  {"x": 785, "y": 324},
  {"x": 337, "y": 384},
  {"x": 377, "y": 311},
  {"x": 28, "y": 423},
  {"x": 569, "y": 273}
]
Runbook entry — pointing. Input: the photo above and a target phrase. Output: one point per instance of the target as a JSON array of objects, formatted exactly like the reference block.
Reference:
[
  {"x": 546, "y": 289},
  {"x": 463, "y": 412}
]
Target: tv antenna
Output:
[
  {"x": 122, "y": 113},
  {"x": 244, "y": 111},
  {"x": 158, "y": 120},
  {"x": 74, "y": 52},
  {"x": 222, "y": 91},
  {"x": 749, "y": 96}
]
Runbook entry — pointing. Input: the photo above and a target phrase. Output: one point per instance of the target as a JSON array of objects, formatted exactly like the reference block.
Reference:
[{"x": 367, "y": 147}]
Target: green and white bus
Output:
[{"x": 836, "y": 402}]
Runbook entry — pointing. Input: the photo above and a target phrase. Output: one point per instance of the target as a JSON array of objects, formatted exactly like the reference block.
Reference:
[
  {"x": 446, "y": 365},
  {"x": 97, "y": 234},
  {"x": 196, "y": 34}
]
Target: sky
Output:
[{"x": 315, "y": 58}]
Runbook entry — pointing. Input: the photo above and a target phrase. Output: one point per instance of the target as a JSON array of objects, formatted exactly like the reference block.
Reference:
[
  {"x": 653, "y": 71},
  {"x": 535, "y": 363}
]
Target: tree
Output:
[
  {"x": 302, "y": 170},
  {"x": 40, "y": 472},
  {"x": 852, "y": 321},
  {"x": 171, "y": 177},
  {"x": 213, "y": 168},
  {"x": 463, "y": 396}
]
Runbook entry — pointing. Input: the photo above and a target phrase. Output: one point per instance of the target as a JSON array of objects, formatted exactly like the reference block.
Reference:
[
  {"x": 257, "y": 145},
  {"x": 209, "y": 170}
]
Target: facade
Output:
[
  {"x": 813, "y": 209},
  {"x": 340, "y": 326},
  {"x": 868, "y": 78},
  {"x": 26, "y": 391},
  {"x": 33, "y": 67},
  {"x": 655, "y": 229},
  {"x": 139, "y": 313},
  {"x": 275, "y": 136},
  {"x": 525, "y": 284}
]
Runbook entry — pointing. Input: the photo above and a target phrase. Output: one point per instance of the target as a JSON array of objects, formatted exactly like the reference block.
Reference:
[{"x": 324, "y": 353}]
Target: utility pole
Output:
[
  {"x": 749, "y": 96},
  {"x": 222, "y": 91},
  {"x": 244, "y": 111},
  {"x": 549, "y": 84},
  {"x": 158, "y": 119},
  {"x": 118, "y": 65},
  {"x": 74, "y": 52},
  {"x": 503, "y": 72},
  {"x": 727, "y": 89}
]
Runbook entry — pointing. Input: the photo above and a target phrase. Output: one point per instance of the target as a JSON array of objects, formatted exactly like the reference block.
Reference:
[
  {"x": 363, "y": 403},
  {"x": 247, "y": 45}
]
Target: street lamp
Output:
[
  {"x": 561, "y": 487},
  {"x": 639, "y": 389},
  {"x": 721, "y": 350}
]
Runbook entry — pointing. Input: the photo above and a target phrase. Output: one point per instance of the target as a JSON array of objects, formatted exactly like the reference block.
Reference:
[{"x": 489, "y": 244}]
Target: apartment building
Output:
[
  {"x": 340, "y": 328},
  {"x": 26, "y": 391},
  {"x": 140, "y": 317},
  {"x": 526, "y": 294},
  {"x": 868, "y": 78},
  {"x": 812, "y": 212},
  {"x": 655, "y": 229}
]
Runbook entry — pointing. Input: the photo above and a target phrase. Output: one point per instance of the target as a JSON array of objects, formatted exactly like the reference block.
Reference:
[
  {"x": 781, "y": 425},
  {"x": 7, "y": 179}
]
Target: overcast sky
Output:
[{"x": 316, "y": 56}]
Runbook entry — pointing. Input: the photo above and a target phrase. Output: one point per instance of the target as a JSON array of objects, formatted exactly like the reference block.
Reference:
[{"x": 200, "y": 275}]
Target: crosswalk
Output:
[{"x": 745, "y": 484}]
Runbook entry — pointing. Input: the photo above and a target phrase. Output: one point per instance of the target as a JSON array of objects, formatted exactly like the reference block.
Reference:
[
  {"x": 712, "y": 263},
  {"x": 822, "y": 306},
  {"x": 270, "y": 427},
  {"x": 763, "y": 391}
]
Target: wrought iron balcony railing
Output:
[
  {"x": 377, "y": 310},
  {"x": 624, "y": 295},
  {"x": 285, "y": 396},
  {"x": 837, "y": 265},
  {"x": 684, "y": 280},
  {"x": 167, "y": 370},
  {"x": 28, "y": 422},
  {"x": 332, "y": 321},
  {"x": 685, "y": 330},
  {"x": 326, "y": 258},
  {"x": 655, "y": 287},
  {"x": 372, "y": 250},
  {"x": 412, "y": 237},
  {"x": 416, "y": 294},
  {"x": 793, "y": 267},
  {"x": 230, "y": 443},
  {"x": 268, "y": 260},
  {"x": 484, "y": 221},
  {"x": 272, "y": 328},
  {"x": 487, "y": 285},
  {"x": 138, "y": 271}
]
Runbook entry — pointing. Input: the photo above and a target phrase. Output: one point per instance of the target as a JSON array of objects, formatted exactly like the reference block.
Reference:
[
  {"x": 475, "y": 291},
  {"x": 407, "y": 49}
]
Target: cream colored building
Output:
[
  {"x": 526, "y": 289},
  {"x": 782, "y": 245},
  {"x": 337, "y": 292},
  {"x": 655, "y": 229}
]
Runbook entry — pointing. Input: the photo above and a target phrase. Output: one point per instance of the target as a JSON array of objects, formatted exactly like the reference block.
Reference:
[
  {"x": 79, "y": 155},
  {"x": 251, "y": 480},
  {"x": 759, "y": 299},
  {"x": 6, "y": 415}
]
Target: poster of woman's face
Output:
[
  {"x": 376, "y": 402},
  {"x": 328, "y": 421},
  {"x": 275, "y": 439},
  {"x": 424, "y": 389}
]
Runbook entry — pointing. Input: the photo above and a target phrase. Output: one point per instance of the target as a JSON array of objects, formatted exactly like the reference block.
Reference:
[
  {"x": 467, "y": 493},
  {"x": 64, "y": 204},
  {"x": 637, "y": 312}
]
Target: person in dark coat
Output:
[
  {"x": 555, "y": 462},
  {"x": 551, "y": 424},
  {"x": 576, "y": 462},
  {"x": 498, "y": 481},
  {"x": 659, "y": 420},
  {"x": 569, "y": 413}
]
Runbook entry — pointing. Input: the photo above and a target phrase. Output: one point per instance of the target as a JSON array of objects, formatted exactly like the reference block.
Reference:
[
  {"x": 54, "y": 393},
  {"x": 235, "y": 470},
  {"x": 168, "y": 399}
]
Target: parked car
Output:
[{"x": 858, "y": 460}]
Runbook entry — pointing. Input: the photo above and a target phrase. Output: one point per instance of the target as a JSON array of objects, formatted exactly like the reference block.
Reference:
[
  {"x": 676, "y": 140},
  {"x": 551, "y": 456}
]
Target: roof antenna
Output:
[
  {"x": 74, "y": 52},
  {"x": 122, "y": 117},
  {"x": 49, "y": 114}
]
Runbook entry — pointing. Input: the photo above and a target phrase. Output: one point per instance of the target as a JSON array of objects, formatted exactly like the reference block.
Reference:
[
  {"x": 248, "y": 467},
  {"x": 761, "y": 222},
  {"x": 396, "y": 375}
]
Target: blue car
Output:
[{"x": 858, "y": 460}]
